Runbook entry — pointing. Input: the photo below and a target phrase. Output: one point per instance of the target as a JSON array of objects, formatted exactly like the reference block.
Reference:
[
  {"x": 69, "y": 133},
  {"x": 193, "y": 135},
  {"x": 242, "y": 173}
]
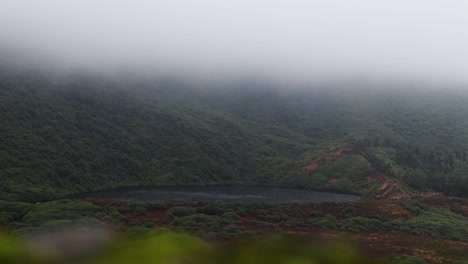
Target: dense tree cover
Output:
[{"x": 81, "y": 133}]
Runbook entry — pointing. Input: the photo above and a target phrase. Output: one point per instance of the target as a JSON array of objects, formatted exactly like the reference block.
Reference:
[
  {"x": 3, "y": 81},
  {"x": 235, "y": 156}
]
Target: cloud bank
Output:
[{"x": 290, "y": 39}]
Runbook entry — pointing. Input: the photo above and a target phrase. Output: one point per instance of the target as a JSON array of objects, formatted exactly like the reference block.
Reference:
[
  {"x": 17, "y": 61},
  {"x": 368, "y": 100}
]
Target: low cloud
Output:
[{"x": 301, "y": 40}]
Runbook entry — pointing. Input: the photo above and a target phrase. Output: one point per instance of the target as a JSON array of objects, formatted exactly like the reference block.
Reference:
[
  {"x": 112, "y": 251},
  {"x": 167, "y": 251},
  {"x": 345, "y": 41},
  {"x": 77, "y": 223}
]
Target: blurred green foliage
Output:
[
  {"x": 256, "y": 221},
  {"x": 181, "y": 248}
]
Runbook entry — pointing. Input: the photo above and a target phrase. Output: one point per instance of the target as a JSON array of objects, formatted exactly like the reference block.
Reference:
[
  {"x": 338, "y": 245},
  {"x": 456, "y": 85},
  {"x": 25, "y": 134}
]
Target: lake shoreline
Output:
[{"x": 226, "y": 193}]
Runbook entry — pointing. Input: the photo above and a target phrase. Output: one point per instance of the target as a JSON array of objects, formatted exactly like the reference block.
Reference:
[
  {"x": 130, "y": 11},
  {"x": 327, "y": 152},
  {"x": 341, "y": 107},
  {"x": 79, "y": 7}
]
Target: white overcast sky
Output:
[{"x": 422, "y": 39}]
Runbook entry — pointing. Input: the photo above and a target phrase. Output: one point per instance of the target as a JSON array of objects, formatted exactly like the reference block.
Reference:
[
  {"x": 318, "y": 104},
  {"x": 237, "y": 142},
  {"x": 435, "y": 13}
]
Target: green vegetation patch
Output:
[{"x": 59, "y": 210}]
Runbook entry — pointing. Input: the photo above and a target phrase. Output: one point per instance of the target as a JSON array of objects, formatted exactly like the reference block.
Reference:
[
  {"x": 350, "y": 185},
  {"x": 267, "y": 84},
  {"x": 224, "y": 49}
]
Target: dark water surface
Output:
[{"x": 223, "y": 193}]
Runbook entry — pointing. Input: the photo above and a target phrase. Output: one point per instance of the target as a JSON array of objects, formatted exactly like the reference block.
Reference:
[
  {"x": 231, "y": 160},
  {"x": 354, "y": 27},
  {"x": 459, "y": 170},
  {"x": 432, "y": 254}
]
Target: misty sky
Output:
[{"x": 422, "y": 39}]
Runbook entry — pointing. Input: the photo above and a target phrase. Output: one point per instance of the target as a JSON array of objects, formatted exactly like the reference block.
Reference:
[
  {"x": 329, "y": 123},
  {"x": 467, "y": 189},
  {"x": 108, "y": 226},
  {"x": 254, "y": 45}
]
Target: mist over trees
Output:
[{"x": 86, "y": 133}]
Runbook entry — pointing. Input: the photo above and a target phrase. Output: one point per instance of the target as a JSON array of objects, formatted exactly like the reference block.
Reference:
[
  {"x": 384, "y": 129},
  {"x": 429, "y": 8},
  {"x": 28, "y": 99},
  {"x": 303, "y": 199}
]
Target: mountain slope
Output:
[{"x": 84, "y": 133}]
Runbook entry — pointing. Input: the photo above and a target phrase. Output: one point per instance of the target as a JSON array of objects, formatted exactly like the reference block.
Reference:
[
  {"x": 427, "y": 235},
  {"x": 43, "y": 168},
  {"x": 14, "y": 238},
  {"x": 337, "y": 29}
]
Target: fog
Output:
[{"x": 291, "y": 40}]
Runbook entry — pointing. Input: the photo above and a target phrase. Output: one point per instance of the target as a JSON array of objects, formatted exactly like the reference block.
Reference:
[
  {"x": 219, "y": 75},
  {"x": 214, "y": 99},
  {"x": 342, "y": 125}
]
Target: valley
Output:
[{"x": 384, "y": 171}]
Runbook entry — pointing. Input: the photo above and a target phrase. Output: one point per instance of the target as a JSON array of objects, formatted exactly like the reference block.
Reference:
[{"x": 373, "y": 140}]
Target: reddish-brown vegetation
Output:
[
  {"x": 433, "y": 250},
  {"x": 383, "y": 208},
  {"x": 456, "y": 205},
  {"x": 328, "y": 156},
  {"x": 392, "y": 190},
  {"x": 380, "y": 244},
  {"x": 379, "y": 177},
  {"x": 389, "y": 188}
]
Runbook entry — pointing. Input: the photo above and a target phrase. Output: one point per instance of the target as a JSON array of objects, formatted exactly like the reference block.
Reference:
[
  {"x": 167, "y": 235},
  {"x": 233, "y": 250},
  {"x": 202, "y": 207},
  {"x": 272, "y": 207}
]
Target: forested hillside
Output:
[{"x": 82, "y": 133}]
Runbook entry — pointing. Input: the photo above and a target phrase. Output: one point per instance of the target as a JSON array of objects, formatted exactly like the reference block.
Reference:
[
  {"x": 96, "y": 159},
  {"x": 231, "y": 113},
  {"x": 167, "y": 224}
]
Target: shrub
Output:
[
  {"x": 198, "y": 223},
  {"x": 134, "y": 223},
  {"x": 261, "y": 224},
  {"x": 249, "y": 235},
  {"x": 292, "y": 223},
  {"x": 116, "y": 216},
  {"x": 261, "y": 214},
  {"x": 256, "y": 206},
  {"x": 196, "y": 218},
  {"x": 362, "y": 224},
  {"x": 226, "y": 235},
  {"x": 436, "y": 222},
  {"x": 149, "y": 224},
  {"x": 241, "y": 212},
  {"x": 6, "y": 218},
  {"x": 155, "y": 206},
  {"x": 56, "y": 225},
  {"x": 147, "y": 205},
  {"x": 316, "y": 214},
  {"x": 213, "y": 208},
  {"x": 15, "y": 210},
  {"x": 415, "y": 207},
  {"x": 131, "y": 206},
  {"x": 59, "y": 210},
  {"x": 231, "y": 216},
  {"x": 233, "y": 229},
  {"x": 327, "y": 221},
  {"x": 348, "y": 211},
  {"x": 168, "y": 217},
  {"x": 178, "y": 211},
  {"x": 114, "y": 203},
  {"x": 406, "y": 259},
  {"x": 137, "y": 232},
  {"x": 140, "y": 210},
  {"x": 276, "y": 218}
]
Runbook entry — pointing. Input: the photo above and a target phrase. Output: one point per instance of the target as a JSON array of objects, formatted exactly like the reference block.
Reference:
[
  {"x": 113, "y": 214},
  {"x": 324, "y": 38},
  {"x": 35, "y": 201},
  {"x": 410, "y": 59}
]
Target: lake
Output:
[{"x": 273, "y": 195}]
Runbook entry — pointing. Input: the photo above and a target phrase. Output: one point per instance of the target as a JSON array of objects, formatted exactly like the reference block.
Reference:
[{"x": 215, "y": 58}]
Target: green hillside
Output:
[{"x": 82, "y": 133}]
